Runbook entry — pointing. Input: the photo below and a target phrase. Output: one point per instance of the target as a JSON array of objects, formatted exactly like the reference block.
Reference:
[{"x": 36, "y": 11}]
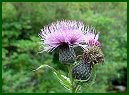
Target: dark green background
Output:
[{"x": 20, "y": 44}]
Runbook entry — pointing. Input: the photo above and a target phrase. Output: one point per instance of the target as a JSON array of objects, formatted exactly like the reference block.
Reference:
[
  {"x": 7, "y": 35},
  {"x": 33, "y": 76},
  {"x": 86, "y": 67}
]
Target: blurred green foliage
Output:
[{"x": 21, "y": 23}]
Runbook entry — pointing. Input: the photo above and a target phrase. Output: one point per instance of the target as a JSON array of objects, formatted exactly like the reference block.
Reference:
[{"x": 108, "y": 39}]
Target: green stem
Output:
[
  {"x": 77, "y": 88},
  {"x": 71, "y": 79}
]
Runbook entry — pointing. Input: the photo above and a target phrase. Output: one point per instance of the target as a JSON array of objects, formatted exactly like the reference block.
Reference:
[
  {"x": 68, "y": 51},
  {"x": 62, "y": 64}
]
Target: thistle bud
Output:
[{"x": 82, "y": 71}]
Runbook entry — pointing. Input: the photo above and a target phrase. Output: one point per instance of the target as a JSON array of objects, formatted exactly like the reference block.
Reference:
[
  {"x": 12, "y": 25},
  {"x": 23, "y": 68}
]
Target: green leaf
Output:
[{"x": 65, "y": 81}]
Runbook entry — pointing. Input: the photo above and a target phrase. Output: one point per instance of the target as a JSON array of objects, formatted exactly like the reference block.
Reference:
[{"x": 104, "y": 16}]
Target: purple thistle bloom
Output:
[
  {"x": 62, "y": 33},
  {"x": 67, "y": 32},
  {"x": 92, "y": 39},
  {"x": 65, "y": 35}
]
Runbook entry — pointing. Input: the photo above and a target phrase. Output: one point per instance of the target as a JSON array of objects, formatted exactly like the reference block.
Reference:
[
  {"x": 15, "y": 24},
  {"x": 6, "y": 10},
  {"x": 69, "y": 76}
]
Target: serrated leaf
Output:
[{"x": 65, "y": 81}]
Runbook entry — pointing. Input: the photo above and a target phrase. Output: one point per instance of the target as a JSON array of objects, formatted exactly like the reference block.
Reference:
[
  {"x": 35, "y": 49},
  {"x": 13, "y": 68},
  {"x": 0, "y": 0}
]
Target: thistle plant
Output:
[{"x": 65, "y": 36}]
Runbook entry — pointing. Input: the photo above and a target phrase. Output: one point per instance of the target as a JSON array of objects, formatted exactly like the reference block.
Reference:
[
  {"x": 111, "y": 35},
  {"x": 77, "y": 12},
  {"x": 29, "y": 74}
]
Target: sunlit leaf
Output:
[{"x": 65, "y": 81}]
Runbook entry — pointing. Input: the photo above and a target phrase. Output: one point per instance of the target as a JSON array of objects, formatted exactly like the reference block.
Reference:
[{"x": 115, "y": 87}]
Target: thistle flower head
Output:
[
  {"x": 65, "y": 35},
  {"x": 62, "y": 33},
  {"x": 93, "y": 55},
  {"x": 92, "y": 39}
]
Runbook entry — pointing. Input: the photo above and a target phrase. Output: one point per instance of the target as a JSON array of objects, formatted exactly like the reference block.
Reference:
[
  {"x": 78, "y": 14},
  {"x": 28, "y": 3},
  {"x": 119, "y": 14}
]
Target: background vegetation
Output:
[{"x": 20, "y": 45}]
